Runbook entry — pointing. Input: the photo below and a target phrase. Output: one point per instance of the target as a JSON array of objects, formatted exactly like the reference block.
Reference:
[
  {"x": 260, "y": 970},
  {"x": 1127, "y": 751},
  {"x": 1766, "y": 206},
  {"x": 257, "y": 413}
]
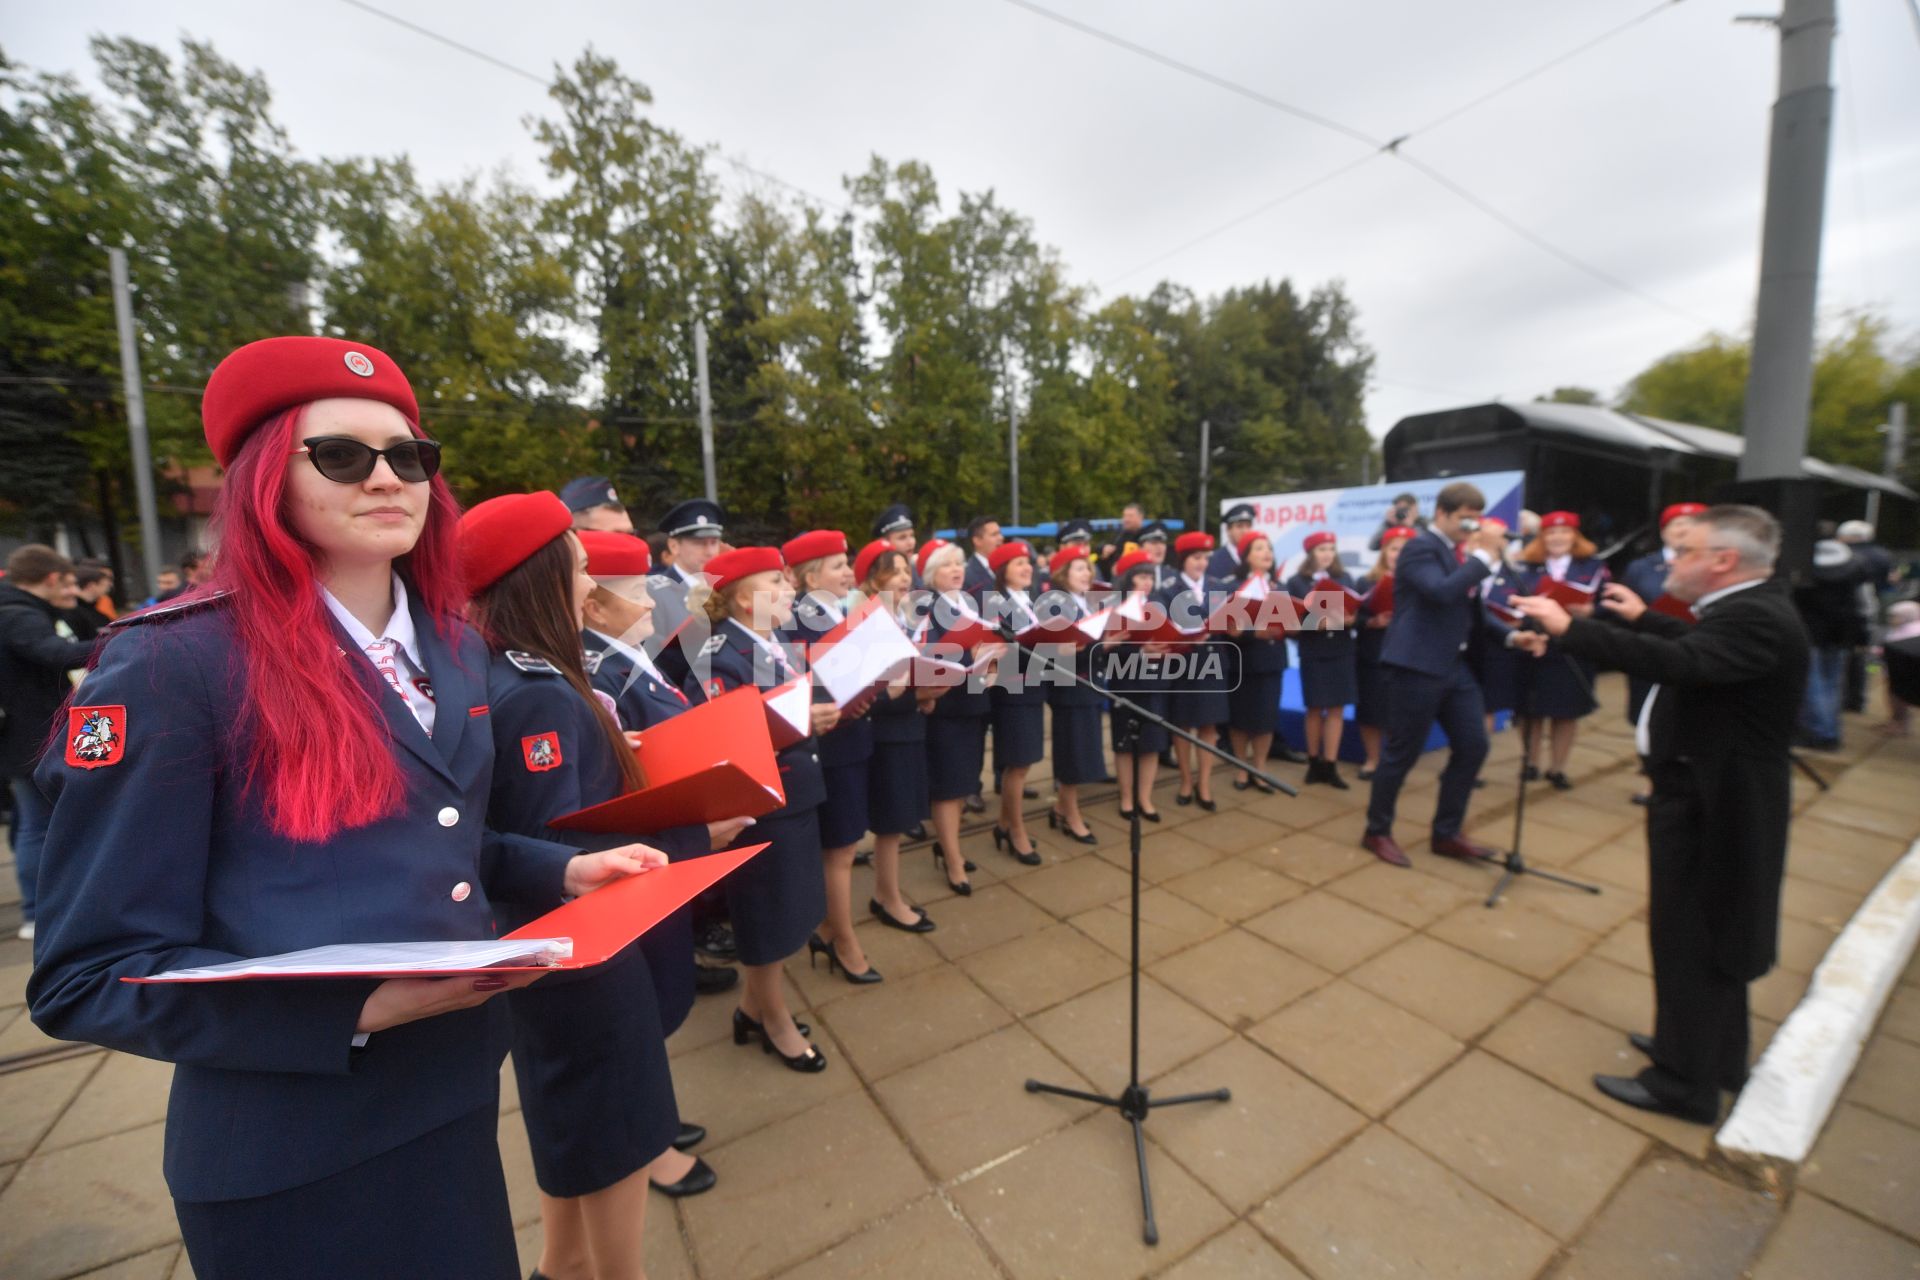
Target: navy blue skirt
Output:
[
  {"x": 1370, "y": 707},
  {"x": 1254, "y": 707},
  {"x": 896, "y": 787},
  {"x": 1327, "y": 680},
  {"x": 779, "y": 896},
  {"x": 1499, "y": 671},
  {"x": 1154, "y": 738},
  {"x": 956, "y": 749},
  {"x": 1077, "y": 758},
  {"x": 1562, "y": 685},
  {"x": 590, "y": 1060},
  {"x": 843, "y": 815},
  {"x": 1019, "y": 733},
  {"x": 435, "y": 1206},
  {"x": 669, "y": 944}
]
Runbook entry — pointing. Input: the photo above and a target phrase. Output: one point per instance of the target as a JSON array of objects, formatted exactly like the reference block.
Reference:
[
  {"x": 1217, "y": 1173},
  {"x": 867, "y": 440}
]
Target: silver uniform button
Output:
[
  {"x": 461, "y": 891},
  {"x": 449, "y": 816}
]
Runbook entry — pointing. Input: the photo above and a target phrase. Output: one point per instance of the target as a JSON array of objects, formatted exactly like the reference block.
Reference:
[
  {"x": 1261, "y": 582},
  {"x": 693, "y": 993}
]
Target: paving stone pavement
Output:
[{"x": 1409, "y": 1069}]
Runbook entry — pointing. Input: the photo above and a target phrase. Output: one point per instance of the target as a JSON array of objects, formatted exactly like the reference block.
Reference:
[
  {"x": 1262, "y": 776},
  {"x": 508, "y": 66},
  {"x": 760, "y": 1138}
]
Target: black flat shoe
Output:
[
  {"x": 1151, "y": 815},
  {"x": 922, "y": 922},
  {"x": 1644, "y": 1043},
  {"x": 696, "y": 1180},
  {"x": 1364, "y": 774},
  {"x": 689, "y": 1137},
  {"x": 1331, "y": 776},
  {"x": 965, "y": 887},
  {"x": 746, "y": 1029},
  {"x": 1183, "y": 798},
  {"x": 864, "y": 858},
  {"x": 1204, "y": 803},
  {"x": 1560, "y": 781},
  {"x": 1238, "y": 785},
  {"x": 1002, "y": 838},
  {"x": 1530, "y": 774},
  {"x": 865, "y": 978},
  {"x": 1029, "y": 793},
  {"x": 1630, "y": 1090}
]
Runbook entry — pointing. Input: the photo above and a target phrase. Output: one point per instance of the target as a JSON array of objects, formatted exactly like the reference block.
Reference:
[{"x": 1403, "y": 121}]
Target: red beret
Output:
[
  {"x": 1494, "y": 523},
  {"x": 615, "y": 555},
  {"x": 497, "y": 536},
  {"x": 863, "y": 563},
  {"x": 926, "y": 553},
  {"x": 1188, "y": 543},
  {"x": 1058, "y": 562},
  {"x": 1560, "y": 520},
  {"x": 1128, "y": 563},
  {"x": 729, "y": 567},
  {"x": 1248, "y": 539},
  {"x": 264, "y": 377},
  {"x": 1679, "y": 509},
  {"x": 815, "y": 544},
  {"x": 1397, "y": 532},
  {"x": 1007, "y": 552},
  {"x": 1319, "y": 538}
]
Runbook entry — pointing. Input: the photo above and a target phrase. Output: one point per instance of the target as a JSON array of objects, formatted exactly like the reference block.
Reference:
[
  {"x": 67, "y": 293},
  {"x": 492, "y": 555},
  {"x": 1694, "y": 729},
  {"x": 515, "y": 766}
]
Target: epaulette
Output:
[
  {"x": 592, "y": 659},
  {"x": 175, "y": 608},
  {"x": 533, "y": 664},
  {"x": 714, "y": 644}
]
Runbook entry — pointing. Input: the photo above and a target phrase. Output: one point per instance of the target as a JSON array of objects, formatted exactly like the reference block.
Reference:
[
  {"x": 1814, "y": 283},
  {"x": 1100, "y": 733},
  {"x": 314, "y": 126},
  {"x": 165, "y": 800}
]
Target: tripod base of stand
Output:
[
  {"x": 1133, "y": 1104},
  {"x": 1516, "y": 866}
]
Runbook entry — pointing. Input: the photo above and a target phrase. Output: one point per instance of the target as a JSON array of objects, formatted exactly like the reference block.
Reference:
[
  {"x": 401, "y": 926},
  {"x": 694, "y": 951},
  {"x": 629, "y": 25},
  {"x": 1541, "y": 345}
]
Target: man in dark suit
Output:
[
  {"x": 1715, "y": 729},
  {"x": 983, "y": 532},
  {"x": 1436, "y": 607}
]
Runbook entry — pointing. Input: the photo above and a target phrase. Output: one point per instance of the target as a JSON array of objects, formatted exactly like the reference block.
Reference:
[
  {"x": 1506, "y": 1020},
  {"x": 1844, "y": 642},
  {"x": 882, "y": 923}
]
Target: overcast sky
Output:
[{"x": 1644, "y": 157}]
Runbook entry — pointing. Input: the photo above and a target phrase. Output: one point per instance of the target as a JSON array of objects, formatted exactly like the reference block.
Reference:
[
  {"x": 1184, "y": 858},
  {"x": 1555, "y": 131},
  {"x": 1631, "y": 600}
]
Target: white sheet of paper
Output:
[
  {"x": 872, "y": 652},
  {"x": 349, "y": 958},
  {"x": 791, "y": 702},
  {"x": 1095, "y": 624}
]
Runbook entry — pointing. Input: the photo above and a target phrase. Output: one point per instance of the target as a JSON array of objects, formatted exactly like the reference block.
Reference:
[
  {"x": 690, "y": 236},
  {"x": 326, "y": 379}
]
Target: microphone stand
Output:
[
  {"x": 1133, "y": 1102},
  {"x": 1514, "y": 864}
]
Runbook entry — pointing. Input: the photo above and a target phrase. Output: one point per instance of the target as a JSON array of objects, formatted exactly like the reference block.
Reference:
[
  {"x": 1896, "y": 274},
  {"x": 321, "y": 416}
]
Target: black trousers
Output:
[
  {"x": 1415, "y": 701},
  {"x": 1700, "y": 1025}
]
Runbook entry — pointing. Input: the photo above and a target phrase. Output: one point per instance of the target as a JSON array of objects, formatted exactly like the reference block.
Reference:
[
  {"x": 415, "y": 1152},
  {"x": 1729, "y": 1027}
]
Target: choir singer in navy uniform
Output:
[
  {"x": 1716, "y": 729},
  {"x": 313, "y": 727}
]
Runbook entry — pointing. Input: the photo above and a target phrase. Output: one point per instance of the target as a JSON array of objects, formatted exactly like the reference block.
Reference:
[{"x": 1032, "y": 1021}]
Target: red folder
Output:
[
  {"x": 1380, "y": 600},
  {"x": 598, "y": 926},
  {"x": 1568, "y": 594},
  {"x": 1674, "y": 607},
  {"x": 971, "y": 633},
  {"x": 705, "y": 765},
  {"x": 1078, "y": 632}
]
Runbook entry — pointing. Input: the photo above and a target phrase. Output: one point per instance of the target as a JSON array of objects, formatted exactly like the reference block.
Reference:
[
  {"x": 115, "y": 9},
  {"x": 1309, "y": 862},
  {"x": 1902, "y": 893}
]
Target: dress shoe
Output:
[
  {"x": 712, "y": 979},
  {"x": 1183, "y": 798},
  {"x": 963, "y": 887},
  {"x": 1464, "y": 849},
  {"x": 1644, "y": 1043},
  {"x": 696, "y": 1180},
  {"x": 1644, "y": 799},
  {"x": 1316, "y": 771},
  {"x": 1205, "y": 802},
  {"x": 1003, "y": 839},
  {"x": 976, "y": 803},
  {"x": 1364, "y": 774},
  {"x": 1330, "y": 775},
  {"x": 1280, "y": 751},
  {"x": 745, "y": 1029},
  {"x": 817, "y": 946},
  {"x": 1385, "y": 848},
  {"x": 1530, "y": 774},
  {"x": 918, "y": 831},
  {"x": 1559, "y": 780},
  {"x": 1634, "y": 1092},
  {"x": 922, "y": 922},
  {"x": 1058, "y": 822},
  {"x": 716, "y": 943},
  {"x": 689, "y": 1137},
  {"x": 864, "y": 858},
  {"x": 1029, "y": 793}
]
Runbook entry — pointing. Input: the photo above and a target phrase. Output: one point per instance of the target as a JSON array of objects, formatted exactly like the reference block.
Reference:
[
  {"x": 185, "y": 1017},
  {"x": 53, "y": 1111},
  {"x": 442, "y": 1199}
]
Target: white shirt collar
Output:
[
  {"x": 829, "y": 604},
  {"x": 1557, "y": 566},
  {"x": 638, "y": 657},
  {"x": 773, "y": 648},
  {"x": 1194, "y": 584},
  {"x": 1714, "y": 597},
  {"x": 399, "y": 627},
  {"x": 1667, "y": 554}
]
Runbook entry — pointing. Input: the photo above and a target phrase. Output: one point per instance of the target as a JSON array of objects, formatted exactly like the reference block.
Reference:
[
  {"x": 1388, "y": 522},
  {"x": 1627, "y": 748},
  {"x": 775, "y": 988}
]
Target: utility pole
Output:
[
  {"x": 706, "y": 407},
  {"x": 1894, "y": 458},
  {"x": 1206, "y": 470},
  {"x": 1013, "y": 455},
  {"x": 1780, "y": 381},
  {"x": 136, "y": 420}
]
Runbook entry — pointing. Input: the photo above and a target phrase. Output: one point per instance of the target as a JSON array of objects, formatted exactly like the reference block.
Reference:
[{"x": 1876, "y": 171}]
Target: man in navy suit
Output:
[
  {"x": 984, "y": 533},
  {"x": 1436, "y": 606}
]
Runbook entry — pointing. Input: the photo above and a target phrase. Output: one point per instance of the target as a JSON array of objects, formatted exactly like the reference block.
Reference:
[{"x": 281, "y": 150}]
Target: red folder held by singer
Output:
[
  {"x": 704, "y": 765},
  {"x": 1674, "y": 607},
  {"x": 590, "y": 930}
]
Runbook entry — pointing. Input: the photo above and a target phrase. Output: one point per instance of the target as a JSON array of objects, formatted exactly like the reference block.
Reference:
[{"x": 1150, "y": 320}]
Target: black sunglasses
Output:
[{"x": 344, "y": 460}]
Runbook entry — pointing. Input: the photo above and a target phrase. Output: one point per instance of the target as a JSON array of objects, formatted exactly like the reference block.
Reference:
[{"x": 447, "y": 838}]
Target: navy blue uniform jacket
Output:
[
  {"x": 164, "y": 859},
  {"x": 730, "y": 661},
  {"x": 1434, "y": 610}
]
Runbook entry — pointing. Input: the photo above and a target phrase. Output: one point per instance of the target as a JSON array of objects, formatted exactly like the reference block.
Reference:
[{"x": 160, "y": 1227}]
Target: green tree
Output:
[
  {"x": 1705, "y": 385},
  {"x": 1570, "y": 395}
]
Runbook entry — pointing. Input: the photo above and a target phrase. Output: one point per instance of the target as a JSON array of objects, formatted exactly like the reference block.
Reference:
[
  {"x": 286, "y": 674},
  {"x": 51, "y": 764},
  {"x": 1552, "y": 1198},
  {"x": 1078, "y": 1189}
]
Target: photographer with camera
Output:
[
  {"x": 1423, "y": 663},
  {"x": 1404, "y": 514}
]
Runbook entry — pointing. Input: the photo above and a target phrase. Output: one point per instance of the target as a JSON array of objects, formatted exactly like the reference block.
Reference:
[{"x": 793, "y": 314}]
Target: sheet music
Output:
[
  {"x": 873, "y": 651},
  {"x": 792, "y": 703},
  {"x": 347, "y": 959}
]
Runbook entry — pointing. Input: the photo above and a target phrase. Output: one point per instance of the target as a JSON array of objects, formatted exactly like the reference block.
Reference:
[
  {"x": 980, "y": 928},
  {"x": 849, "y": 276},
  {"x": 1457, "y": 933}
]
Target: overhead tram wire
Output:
[
  {"x": 544, "y": 82},
  {"x": 1379, "y": 146}
]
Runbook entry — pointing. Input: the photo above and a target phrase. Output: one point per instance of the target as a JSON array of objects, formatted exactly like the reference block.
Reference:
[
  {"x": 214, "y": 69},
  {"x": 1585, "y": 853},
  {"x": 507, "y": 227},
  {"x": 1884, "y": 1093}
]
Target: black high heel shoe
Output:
[
  {"x": 1183, "y": 798},
  {"x": 923, "y": 923},
  {"x": 1204, "y": 802},
  {"x": 964, "y": 887},
  {"x": 817, "y": 946},
  {"x": 1058, "y": 823},
  {"x": 746, "y": 1030},
  {"x": 1003, "y": 839}
]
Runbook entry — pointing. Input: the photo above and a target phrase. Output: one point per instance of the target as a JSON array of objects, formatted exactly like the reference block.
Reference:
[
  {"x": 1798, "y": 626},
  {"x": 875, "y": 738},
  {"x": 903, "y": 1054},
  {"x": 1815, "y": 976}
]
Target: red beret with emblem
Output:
[
  {"x": 926, "y": 553},
  {"x": 1058, "y": 562},
  {"x": 615, "y": 555},
  {"x": 1127, "y": 563},
  {"x": 1006, "y": 553},
  {"x": 863, "y": 563},
  {"x": 1680, "y": 509},
  {"x": 815, "y": 544},
  {"x": 499, "y": 535},
  {"x": 1247, "y": 540},
  {"x": 1188, "y": 543},
  {"x": 729, "y": 567},
  {"x": 1397, "y": 533},
  {"x": 1319, "y": 538},
  {"x": 1560, "y": 520},
  {"x": 264, "y": 377}
]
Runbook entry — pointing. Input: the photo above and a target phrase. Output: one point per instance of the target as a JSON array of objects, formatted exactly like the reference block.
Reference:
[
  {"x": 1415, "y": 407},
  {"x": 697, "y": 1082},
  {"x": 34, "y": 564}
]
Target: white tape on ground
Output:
[{"x": 1792, "y": 1089}]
